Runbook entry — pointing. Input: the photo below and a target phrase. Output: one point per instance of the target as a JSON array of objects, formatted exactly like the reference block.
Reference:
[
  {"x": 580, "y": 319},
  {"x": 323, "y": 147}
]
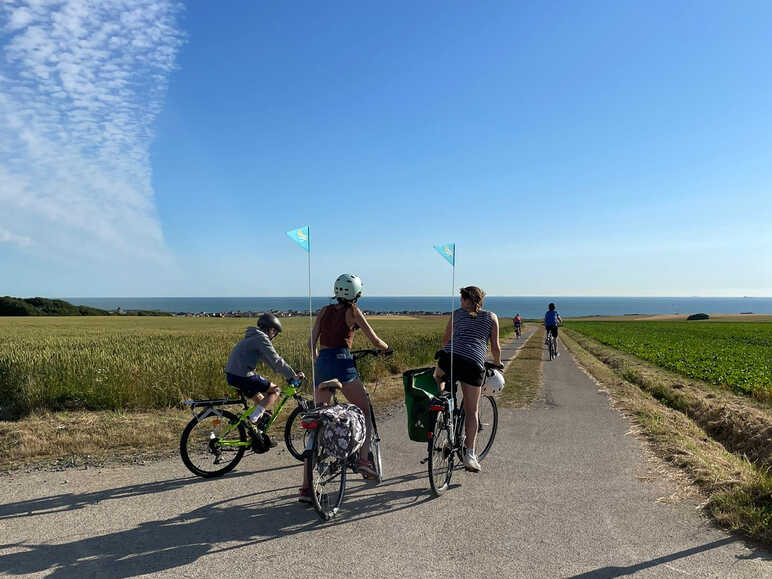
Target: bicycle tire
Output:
[
  {"x": 375, "y": 448},
  {"x": 487, "y": 422},
  {"x": 377, "y": 460},
  {"x": 323, "y": 472},
  {"x": 440, "y": 449},
  {"x": 295, "y": 436},
  {"x": 198, "y": 451}
]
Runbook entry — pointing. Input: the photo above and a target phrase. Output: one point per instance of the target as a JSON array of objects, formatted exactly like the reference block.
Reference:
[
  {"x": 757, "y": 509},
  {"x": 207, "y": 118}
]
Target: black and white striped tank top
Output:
[{"x": 470, "y": 335}]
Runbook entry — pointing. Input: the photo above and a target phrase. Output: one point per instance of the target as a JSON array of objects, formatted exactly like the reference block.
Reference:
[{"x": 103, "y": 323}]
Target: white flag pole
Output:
[
  {"x": 452, "y": 341},
  {"x": 311, "y": 320}
]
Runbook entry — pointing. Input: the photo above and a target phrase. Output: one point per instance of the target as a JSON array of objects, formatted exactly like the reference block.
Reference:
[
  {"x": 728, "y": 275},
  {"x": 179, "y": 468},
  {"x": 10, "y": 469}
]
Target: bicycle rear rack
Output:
[{"x": 213, "y": 402}]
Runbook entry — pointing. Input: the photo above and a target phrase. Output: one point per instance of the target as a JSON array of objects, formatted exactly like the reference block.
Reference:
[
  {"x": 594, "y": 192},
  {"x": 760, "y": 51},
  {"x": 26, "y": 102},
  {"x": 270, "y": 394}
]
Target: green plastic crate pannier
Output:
[{"x": 420, "y": 388}]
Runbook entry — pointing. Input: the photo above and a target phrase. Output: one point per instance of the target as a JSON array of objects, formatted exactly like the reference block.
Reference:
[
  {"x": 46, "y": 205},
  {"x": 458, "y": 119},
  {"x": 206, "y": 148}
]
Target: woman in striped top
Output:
[{"x": 467, "y": 339}]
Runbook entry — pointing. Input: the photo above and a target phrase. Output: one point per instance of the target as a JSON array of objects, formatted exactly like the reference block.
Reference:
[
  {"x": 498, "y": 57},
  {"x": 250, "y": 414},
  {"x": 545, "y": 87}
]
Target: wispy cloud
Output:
[
  {"x": 10, "y": 237},
  {"x": 81, "y": 84}
]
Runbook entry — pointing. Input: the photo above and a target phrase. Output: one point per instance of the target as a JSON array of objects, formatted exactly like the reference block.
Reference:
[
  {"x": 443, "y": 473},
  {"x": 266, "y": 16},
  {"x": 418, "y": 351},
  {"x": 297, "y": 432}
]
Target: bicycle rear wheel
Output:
[
  {"x": 440, "y": 455},
  {"x": 327, "y": 476},
  {"x": 295, "y": 435},
  {"x": 206, "y": 450}
]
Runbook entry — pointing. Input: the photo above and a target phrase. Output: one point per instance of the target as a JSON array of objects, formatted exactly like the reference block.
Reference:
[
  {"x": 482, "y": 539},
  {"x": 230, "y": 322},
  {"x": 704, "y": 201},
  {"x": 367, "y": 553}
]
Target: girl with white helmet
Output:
[{"x": 334, "y": 330}]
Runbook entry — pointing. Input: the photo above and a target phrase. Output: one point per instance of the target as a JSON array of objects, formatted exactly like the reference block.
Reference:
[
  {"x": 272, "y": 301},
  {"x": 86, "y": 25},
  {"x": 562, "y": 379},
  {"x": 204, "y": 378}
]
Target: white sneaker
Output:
[{"x": 470, "y": 462}]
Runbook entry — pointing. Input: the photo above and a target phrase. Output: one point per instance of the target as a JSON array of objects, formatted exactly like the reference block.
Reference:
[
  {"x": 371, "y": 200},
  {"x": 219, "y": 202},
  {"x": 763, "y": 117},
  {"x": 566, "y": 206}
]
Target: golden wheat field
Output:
[{"x": 101, "y": 363}]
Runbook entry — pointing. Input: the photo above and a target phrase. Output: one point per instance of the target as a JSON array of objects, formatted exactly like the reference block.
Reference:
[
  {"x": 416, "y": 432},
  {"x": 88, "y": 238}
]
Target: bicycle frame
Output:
[{"x": 289, "y": 391}]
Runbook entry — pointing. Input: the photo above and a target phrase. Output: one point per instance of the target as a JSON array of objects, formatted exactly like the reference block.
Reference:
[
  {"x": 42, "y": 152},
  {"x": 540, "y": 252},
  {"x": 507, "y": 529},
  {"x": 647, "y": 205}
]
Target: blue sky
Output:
[{"x": 596, "y": 148}]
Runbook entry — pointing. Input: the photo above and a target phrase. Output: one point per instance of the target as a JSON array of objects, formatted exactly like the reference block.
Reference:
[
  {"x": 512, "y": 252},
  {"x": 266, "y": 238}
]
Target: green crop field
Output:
[
  {"x": 140, "y": 363},
  {"x": 735, "y": 355}
]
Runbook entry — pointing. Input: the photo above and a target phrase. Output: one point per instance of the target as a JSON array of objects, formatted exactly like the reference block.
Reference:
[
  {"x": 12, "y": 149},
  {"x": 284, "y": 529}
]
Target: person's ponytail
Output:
[{"x": 476, "y": 296}]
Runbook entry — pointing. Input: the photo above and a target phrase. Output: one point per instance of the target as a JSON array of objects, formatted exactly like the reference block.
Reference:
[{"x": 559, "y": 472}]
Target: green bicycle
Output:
[{"x": 215, "y": 440}]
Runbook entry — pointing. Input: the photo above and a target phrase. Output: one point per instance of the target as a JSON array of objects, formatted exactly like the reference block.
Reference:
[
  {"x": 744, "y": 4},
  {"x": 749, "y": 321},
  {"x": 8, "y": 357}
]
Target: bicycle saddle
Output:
[{"x": 331, "y": 385}]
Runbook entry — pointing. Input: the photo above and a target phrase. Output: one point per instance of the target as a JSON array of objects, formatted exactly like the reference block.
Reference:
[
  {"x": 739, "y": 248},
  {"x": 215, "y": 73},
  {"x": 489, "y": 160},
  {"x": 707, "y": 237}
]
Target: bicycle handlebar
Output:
[
  {"x": 492, "y": 365},
  {"x": 296, "y": 383}
]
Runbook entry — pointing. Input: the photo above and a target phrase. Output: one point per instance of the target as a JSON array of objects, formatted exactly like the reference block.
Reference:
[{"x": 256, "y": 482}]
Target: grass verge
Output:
[
  {"x": 524, "y": 374},
  {"x": 79, "y": 438},
  {"x": 739, "y": 493},
  {"x": 741, "y": 424}
]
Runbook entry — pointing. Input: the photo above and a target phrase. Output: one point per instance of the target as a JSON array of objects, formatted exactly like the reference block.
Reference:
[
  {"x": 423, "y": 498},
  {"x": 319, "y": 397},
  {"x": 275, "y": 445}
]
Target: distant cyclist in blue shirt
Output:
[{"x": 551, "y": 321}]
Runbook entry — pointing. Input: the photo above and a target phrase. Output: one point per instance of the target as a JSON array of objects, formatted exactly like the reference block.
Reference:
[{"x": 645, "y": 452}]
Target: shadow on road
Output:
[
  {"x": 181, "y": 540},
  {"x": 608, "y": 572},
  {"x": 74, "y": 501}
]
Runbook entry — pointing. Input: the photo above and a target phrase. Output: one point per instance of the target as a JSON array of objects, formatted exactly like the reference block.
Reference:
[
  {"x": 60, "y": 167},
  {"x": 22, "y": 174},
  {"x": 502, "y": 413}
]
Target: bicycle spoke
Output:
[{"x": 210, "y": 446}]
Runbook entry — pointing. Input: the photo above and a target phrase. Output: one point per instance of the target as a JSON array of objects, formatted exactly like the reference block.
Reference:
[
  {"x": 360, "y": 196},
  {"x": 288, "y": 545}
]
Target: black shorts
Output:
[
  {"x": 248, "y": 385},
  {"x": 464, "y": 369},
  {"x": 553, "y": 329}
]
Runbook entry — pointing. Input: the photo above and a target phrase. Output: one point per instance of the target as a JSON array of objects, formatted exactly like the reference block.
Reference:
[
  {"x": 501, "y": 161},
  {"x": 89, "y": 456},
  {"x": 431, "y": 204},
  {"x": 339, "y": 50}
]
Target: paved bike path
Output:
[{"x": 560, "y": 496}]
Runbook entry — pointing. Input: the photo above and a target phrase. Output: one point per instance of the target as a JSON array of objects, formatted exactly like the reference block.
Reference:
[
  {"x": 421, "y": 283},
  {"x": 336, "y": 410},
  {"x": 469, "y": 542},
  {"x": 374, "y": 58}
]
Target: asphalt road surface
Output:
[{"x": 563, "y": 493}]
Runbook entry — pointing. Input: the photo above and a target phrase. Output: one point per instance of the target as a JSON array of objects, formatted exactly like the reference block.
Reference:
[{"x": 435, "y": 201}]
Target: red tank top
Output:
[{"x": 333, "y": 329}]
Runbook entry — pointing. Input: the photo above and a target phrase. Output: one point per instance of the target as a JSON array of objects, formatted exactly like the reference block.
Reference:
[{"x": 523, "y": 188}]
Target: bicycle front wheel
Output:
[
  {"x": 375, "y": 448},
  {"x": 440, "y": 455},
  {"x": 210, "y": 446},
  {"x": 295, "y": 436},
  {"x": 487, "y": 424},
  {"x": 375, "y": 451},
  {"x": 327, "y": 476}
]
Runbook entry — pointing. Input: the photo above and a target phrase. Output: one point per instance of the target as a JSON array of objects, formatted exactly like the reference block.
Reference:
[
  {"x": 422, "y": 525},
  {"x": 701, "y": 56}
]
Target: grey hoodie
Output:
[{"x": 254, "y": 347}]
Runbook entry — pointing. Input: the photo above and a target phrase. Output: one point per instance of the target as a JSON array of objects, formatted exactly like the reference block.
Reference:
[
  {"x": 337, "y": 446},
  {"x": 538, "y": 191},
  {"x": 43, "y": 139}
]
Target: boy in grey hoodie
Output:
[{"x": 254, "y": 347}]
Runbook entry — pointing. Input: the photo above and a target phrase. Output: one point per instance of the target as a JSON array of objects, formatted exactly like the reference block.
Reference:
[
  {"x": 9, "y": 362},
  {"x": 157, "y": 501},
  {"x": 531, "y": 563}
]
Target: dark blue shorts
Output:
[
  {"x": 553, "y": 330},
  {"x": 335, "y": 363},
  {"x": 248, "y": 385}
]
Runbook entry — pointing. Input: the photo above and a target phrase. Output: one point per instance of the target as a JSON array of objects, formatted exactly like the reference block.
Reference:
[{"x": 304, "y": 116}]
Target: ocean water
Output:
[{"x": 528, "y": 307}]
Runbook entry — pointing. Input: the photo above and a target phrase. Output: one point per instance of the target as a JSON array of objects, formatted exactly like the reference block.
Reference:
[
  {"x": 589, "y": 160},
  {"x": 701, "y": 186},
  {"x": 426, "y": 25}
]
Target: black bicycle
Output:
[
  {"x": 446, "y": 437},
  {"x": 551, "y": 342},
  {"x": 327, "y": 474},
  {"x": 215, "y": 440}
]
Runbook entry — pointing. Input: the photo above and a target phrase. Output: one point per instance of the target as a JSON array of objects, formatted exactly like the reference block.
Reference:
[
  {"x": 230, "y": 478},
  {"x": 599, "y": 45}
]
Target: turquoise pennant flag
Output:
[
  {"x": 302, "y": 237},
  {"x": 448, "y": 251}
]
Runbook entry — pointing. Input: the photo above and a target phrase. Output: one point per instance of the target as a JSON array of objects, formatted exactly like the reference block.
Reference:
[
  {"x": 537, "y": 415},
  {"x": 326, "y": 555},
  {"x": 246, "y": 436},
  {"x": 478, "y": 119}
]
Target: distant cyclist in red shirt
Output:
[{"x": 518, "y": 324}]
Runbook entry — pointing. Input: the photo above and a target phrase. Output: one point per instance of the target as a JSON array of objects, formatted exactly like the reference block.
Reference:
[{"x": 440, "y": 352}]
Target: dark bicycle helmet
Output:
[{"x": 268, "y": 320}]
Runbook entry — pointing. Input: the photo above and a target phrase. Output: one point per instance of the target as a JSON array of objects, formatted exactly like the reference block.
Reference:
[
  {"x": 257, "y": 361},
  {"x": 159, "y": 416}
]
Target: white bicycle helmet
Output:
[
  {"x": 348, "y": 287},
  {"x": 494, "y": 382}
]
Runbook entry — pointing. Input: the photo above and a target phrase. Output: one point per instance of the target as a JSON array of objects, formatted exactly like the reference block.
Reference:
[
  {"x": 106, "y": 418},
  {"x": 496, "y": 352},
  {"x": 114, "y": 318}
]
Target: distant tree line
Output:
[{"x": 10, "y": 306}]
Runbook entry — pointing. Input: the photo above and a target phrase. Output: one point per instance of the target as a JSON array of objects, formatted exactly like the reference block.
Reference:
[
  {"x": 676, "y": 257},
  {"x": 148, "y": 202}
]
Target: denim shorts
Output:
[{"x": 335, "y": 363}]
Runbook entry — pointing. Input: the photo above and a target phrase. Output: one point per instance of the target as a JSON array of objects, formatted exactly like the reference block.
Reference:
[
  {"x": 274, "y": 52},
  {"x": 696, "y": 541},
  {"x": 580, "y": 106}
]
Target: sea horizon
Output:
[{"x": 507, "y": 306}]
